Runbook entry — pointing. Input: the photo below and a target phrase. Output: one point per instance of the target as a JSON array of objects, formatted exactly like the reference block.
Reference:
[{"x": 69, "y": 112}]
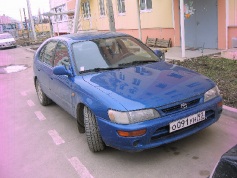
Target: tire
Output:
[
  {"x": 93, "y": 136},
  {"x": 44, "y": 100}
]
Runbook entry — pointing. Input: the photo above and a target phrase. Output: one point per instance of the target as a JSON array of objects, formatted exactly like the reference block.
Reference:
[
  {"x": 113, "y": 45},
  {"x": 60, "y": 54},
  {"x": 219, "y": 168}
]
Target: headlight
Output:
[
  {"x": 212, "y": 93},
  {"x": 132, "y": 116}
]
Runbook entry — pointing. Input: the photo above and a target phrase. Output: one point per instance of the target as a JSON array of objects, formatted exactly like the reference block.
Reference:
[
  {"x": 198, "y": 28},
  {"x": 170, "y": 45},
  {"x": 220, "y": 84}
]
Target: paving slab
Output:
[{"x": 175, "y": 53}]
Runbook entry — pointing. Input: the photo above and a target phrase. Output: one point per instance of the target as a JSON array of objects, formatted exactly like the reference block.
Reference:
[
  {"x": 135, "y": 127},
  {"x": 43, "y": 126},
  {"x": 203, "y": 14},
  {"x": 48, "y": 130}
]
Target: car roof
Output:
[
  {"x": 5, "y": 33},
  {"x": 85, "y": 36}
]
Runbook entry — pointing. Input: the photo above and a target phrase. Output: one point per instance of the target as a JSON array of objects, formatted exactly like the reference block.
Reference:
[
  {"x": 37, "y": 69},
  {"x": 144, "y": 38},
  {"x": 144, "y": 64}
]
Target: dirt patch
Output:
[{"x": 13, "y": 68}]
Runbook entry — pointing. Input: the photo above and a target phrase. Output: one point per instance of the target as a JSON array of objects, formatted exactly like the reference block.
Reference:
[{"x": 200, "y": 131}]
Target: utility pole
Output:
[
  {"x": 26, "y": 24},
  {"x": 110, "y": 13},
  {"x": 21, "y": 22},
  {"x": 139, "y": 20},
  {"x": 31, "y": 19},
  {"x": 76, "y": 16}
]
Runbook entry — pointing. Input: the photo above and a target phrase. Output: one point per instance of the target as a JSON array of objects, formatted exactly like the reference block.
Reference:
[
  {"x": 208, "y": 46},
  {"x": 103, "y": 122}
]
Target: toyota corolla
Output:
[{"x": 123, "y": 94}]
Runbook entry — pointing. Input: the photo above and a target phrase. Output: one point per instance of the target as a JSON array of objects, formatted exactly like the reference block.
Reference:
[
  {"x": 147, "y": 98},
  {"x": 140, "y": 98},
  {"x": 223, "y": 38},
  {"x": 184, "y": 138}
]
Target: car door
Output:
[
  {"x": 44, "y": 66},
  {"x": 61, "y": 85}
]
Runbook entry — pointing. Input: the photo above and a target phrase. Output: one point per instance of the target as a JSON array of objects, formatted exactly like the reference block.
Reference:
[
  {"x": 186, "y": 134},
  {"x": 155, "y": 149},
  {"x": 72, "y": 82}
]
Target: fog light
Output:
[
  {"x": 131, "y": 133},
  {"x": 135, "y": 143}
]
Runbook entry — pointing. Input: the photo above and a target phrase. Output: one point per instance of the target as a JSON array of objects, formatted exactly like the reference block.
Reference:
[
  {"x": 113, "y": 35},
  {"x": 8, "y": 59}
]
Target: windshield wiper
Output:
[
  {"x": 99, "y": 69},
  {"x": 136, "y": 63}
]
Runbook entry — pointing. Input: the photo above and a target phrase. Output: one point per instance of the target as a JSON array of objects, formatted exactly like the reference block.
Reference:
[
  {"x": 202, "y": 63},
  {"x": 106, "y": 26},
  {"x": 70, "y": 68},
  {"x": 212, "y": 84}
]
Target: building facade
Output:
[
  {"x": 61, "y": 18},
  {"x": 207, "y": 24}
]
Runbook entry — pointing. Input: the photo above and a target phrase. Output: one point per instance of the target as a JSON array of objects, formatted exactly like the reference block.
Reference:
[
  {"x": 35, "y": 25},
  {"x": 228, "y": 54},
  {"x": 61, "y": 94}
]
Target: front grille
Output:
[
  {"x": 164, "y": 131},
  {"x": 178, "y": 106}
]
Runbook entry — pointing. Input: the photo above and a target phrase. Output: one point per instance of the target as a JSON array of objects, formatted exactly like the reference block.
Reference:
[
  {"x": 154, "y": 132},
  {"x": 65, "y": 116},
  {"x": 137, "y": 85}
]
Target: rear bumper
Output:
[
  {"x": 157, "y": 129},
  {"x": 7, "y": 45}
]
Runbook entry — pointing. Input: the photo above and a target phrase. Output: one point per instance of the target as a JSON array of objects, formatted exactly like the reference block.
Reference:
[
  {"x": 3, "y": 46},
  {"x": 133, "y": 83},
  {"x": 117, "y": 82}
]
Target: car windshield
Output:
[
  {"x": 5, "y": 36},
  {"x": 110, "y": 53}
]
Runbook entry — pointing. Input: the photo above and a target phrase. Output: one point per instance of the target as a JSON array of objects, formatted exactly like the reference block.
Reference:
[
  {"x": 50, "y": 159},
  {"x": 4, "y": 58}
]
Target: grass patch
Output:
[{"x": 220, "y": 70}]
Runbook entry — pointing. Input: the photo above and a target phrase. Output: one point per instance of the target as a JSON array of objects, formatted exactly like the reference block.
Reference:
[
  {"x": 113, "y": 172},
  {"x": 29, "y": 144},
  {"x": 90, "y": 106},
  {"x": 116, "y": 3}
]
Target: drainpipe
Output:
[
  {"x": 173, "y": 20},
  {"x": 182, "y": 27},
  {"x": 139, "y": 20},
  {"x": 227, "y": 23},
  {"x": 76, "y": 16}
]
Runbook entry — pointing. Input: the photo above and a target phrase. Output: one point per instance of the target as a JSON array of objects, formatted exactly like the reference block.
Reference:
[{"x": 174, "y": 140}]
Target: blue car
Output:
[{"x": 123, "y": 94}]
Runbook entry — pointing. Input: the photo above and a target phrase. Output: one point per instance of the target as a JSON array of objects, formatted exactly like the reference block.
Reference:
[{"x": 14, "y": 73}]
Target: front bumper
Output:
[
  {"x": 7, "y": 45},
  {"x": 157, "y": 129}
]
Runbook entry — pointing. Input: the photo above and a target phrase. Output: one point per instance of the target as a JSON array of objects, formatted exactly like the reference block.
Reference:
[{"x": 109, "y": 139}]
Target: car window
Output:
[
  {"x": 88, "y": 56},
  {"x": 41, "y": 55},
  {"x": 47, "y": 54},
  {"x": 62, "y": 55}
]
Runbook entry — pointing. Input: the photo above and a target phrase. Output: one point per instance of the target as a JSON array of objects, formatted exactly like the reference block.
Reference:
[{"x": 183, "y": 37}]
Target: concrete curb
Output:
[
  {"x": 231, "y": 112},
  {"x": 27, "y": 48},
  {"x": 31, "y": 50}
]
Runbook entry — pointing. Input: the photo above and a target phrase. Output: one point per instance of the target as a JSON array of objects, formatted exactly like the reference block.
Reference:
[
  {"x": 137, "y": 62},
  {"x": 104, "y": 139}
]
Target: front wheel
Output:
[
  {"x": 94, "y": 139},
  {"x": 44, "y": 100}
]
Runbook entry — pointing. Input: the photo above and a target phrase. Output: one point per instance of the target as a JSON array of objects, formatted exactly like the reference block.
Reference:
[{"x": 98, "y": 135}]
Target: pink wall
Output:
[
  {"x": 165, "y": 33},
  {"x": 232, "y": 32},
  {"x": 71, "y": 5},
  {"x": 221, "y": 24},
  {"x": 177, "y": 40}
]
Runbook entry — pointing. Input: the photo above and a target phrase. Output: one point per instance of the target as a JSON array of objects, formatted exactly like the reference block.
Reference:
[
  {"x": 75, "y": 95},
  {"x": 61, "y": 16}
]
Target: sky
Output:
[{"x": 12, "y": 8}]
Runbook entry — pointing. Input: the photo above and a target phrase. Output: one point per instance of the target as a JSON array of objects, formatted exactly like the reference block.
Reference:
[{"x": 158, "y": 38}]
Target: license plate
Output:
[{"x": 185, "y": 122}]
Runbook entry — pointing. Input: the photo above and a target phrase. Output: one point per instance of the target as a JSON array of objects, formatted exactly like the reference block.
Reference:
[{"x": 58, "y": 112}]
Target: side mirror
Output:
[
  {"x": 160, "y": 54},
  {"x": 61, "y": 70}
]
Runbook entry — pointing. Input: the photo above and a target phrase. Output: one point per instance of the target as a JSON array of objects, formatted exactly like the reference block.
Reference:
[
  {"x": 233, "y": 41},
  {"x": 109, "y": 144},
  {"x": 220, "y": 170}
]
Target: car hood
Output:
[{"x": 151, "y": 85}]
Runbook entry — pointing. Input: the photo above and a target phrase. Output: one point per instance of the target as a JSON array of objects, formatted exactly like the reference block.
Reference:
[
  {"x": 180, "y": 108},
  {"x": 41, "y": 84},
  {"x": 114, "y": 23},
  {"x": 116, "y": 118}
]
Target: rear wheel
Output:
[
  {"x": 44, "y": 100},
  {"x": 94, "y": 139}
]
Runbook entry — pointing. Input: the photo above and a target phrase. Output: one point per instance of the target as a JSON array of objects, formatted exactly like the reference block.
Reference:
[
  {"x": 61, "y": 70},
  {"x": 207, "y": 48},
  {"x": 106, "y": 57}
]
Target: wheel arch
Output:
[
  {"x": 80, "y": 117},
  {"x": 35, "y": 78}
]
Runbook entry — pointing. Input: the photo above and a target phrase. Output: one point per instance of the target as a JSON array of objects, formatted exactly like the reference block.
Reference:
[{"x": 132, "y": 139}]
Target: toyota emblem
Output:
[{"x": 183, "y": 105}]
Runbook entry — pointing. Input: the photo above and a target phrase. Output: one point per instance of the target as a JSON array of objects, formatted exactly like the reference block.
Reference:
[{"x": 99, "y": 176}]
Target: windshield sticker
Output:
[{"x": 82, "y": 68}]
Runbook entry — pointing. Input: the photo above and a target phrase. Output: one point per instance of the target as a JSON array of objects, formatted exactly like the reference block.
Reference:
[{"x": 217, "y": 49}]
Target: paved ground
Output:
[
  {"x": 37, "y": 141},
  {"x": 175, "y": 53}
]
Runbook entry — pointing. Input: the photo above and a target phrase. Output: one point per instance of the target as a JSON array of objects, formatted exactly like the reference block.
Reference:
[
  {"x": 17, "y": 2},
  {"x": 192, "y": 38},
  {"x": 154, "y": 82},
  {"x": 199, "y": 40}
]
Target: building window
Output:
[
  {"x": 102, "y": 7},
  {"x": 60, "y": 17},
  {"x": 121, "y": 6},
  {"x": 86, "y": 10},
  {"x": 145, "y": 5}
]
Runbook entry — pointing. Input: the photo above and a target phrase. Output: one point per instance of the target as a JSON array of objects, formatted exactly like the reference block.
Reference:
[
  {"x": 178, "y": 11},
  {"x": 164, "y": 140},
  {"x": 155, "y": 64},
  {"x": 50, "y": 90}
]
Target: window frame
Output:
[
  {"x": 145, "y": 9},
  {"x": 102, "y": 8},
  {"x": 61, "y": 17},
  {"x": 86, "y": 10},
  {"x": 120, "y": 7}
]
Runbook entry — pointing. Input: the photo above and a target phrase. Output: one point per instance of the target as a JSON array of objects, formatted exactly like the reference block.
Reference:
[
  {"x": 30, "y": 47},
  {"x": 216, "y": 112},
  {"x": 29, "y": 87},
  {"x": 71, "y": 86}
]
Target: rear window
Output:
[{"x": 5, "y": 36}]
